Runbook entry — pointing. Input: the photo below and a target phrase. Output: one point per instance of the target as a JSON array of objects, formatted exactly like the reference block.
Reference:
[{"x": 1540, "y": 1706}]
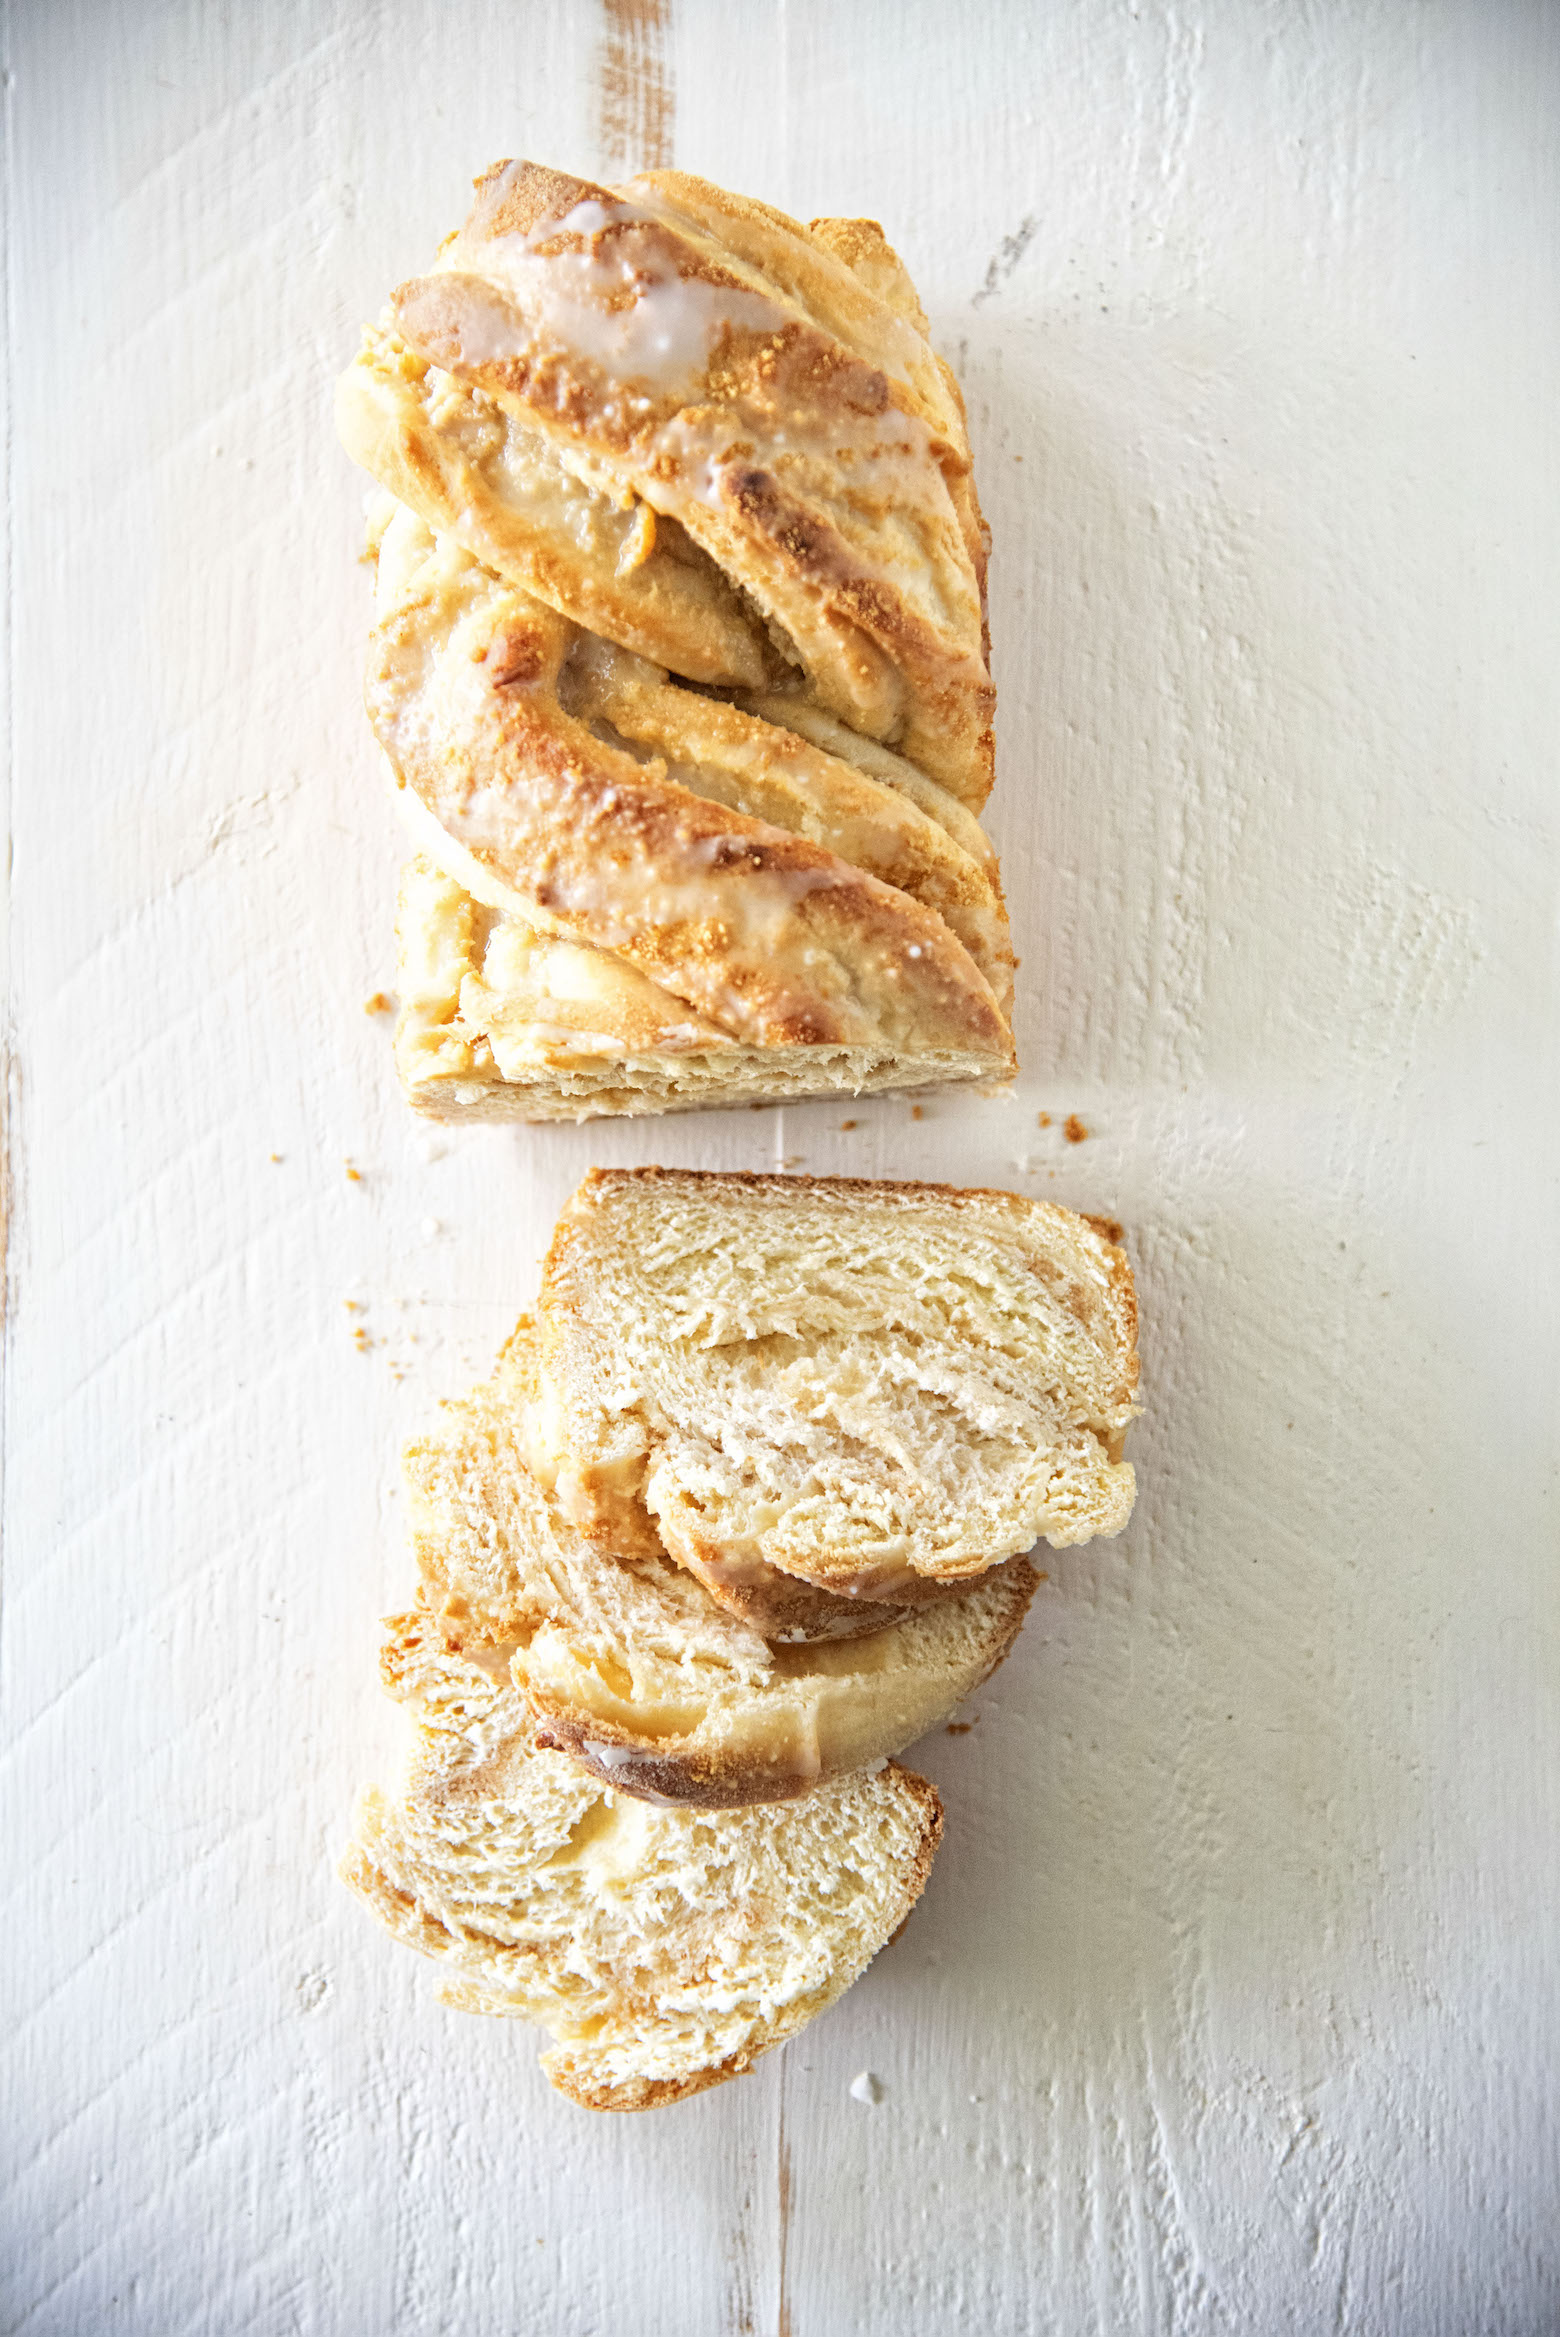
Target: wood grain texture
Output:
[
  {"x": 638, "y": 98},
  {"x": 1231, "y": 2005}
]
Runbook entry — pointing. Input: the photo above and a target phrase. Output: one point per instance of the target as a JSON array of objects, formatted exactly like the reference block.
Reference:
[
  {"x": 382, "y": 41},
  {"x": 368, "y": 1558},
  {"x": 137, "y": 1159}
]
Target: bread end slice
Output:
[{"x": 664, "y": 1950}]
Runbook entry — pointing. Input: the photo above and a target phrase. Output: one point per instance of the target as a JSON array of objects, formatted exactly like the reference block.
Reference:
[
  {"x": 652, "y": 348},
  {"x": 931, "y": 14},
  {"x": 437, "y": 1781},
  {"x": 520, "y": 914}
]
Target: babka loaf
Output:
[
  {"x": 736, "y": 1517},
  {"x": 679, "y": 661}
]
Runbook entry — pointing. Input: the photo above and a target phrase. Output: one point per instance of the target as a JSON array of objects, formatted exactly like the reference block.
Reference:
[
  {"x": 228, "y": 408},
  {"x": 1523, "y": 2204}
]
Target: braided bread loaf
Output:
[{"x": 679, "y": 660}]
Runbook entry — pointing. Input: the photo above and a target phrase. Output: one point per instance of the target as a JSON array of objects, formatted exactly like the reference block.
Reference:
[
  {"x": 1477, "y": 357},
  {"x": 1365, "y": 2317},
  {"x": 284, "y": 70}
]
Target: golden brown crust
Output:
[
  {"x": 771, "y": 937},
  {"x": 756, "y": 765},
  {"x": 833, "y": 492},
  {"x": 656, "y": 1769}
]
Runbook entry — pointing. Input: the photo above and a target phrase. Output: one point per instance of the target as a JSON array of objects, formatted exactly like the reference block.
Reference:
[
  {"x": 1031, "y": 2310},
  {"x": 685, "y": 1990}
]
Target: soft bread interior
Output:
[
  {"x": 500, "y": 1019},
  {"x": 663, "y": 1949},
  {"x": 630, "y": 1664},
  {"x": 842, "y": 1380}
]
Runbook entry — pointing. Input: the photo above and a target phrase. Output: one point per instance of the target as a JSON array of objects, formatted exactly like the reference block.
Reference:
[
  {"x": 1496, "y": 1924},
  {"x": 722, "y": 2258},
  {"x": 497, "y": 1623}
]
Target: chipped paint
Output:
[{"x": 637, "y": 95}]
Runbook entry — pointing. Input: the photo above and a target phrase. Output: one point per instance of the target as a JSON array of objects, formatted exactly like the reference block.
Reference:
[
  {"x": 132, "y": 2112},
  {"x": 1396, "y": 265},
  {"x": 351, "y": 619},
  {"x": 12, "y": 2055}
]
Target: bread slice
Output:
[
  {"x": 500, "y": 1020},
  {"x": 663, "y": 1949},
  {"x": 854, "y": 1383},
  {"x": 630, "y": 1665}
]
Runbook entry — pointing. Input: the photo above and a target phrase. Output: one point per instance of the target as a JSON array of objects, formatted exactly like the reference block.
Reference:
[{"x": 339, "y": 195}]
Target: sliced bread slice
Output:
[
  {"x": 663, "y": 1949},
  {"x": 630, "y": 1666},
  {"x": 854, "y": 1383}
]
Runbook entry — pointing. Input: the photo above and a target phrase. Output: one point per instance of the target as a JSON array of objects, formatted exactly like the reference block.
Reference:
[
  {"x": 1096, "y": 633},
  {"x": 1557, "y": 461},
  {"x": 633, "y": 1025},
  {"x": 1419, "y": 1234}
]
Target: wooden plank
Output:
[{"x": 1230, "y": 2004}]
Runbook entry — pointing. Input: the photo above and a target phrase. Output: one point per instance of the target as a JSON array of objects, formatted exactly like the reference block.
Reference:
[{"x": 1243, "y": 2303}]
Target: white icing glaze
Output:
[{"x": 615, "y": 299}]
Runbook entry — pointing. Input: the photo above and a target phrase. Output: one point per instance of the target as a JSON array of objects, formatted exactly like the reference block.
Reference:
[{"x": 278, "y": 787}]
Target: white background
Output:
[{"x": 1234, "y": 2001}]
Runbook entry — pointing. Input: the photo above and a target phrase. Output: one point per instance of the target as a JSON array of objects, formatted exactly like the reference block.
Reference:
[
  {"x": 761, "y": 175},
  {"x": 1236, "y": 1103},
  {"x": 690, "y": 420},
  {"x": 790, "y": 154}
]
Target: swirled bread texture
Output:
[
  {"x": 861, "y": 1385},
  {"x": 663, "y": 1949},
  {"x": 631, "y": 1665},
  {"x": 679, "y": 661}
]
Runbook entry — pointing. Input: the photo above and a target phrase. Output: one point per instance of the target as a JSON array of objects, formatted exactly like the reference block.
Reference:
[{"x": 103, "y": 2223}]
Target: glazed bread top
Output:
[{"x": 768, "y": 388}]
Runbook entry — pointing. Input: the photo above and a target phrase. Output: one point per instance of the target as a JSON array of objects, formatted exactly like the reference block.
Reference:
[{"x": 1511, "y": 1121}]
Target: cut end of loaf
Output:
[{"x": 839, "y": 1379}]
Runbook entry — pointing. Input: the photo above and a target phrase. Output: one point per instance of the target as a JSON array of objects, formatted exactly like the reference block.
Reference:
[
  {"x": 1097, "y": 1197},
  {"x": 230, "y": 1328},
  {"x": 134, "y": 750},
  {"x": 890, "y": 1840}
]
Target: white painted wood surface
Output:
[{"x": 1234, "y": 2003}]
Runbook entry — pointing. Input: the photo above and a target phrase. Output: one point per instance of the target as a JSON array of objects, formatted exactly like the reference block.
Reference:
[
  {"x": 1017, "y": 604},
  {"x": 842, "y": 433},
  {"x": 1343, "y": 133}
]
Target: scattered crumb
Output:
[
  {"x": 864, "y": 2087},
  {"x": 790, "y": 1160},
  {"x": 354, "y": 1176},
  {"x": 1044, "y": 1120},
  {"x": 354, "y": 1306},
  {"x": 431, "y": 1229},
  {"x": 916, "y": 1112},
  {"x": 1073, "y": 1129},
  {"x": 378, "y": 1004},
  {"x": 846, "y": 1126},
  {"x": 960, "y": 1728},
  {"x": 360, "y": 1339},
  {"x": 276, "y": 1156}
]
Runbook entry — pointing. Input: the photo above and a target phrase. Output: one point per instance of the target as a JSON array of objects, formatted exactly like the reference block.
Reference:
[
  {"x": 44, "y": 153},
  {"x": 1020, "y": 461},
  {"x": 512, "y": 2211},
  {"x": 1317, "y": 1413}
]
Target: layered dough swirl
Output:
[{"x": 679, "y": 660}]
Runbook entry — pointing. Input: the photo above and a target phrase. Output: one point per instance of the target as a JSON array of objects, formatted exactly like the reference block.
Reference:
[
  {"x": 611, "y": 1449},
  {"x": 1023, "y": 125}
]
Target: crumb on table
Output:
[
  {"x": 1073, "y": 1129},
  {"x": 916, "y": 1112},
  {"x": 354, "y": 1175},
  {"x": 846, "y": 1126},
  {"x": 378, "y": 1004},
  {"x": 1044, "y": 1120},
  {"x": 960, "y": 1728}
]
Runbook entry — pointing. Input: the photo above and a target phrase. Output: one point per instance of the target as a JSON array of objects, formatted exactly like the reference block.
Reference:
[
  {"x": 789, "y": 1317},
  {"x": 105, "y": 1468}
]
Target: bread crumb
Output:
[
  {"x": 276, "y": 1156},
  {"x": 431, "y": 1229},
  {"x": 864, "y": 2087},
  {"x": 354, "y": 1306},
  {"x": 354, "y": 1176},
  {"x": 916, "y": 1112},
  {"x": 846, "y": 1126},
  {"x": 378, "y": 1004},
  {"x": 360, "y": 1339},
  {"x": 1044, "y": 1120},
  {"x": 960, "y": 1728},
  {"x": 1073, "y": 1129}
]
